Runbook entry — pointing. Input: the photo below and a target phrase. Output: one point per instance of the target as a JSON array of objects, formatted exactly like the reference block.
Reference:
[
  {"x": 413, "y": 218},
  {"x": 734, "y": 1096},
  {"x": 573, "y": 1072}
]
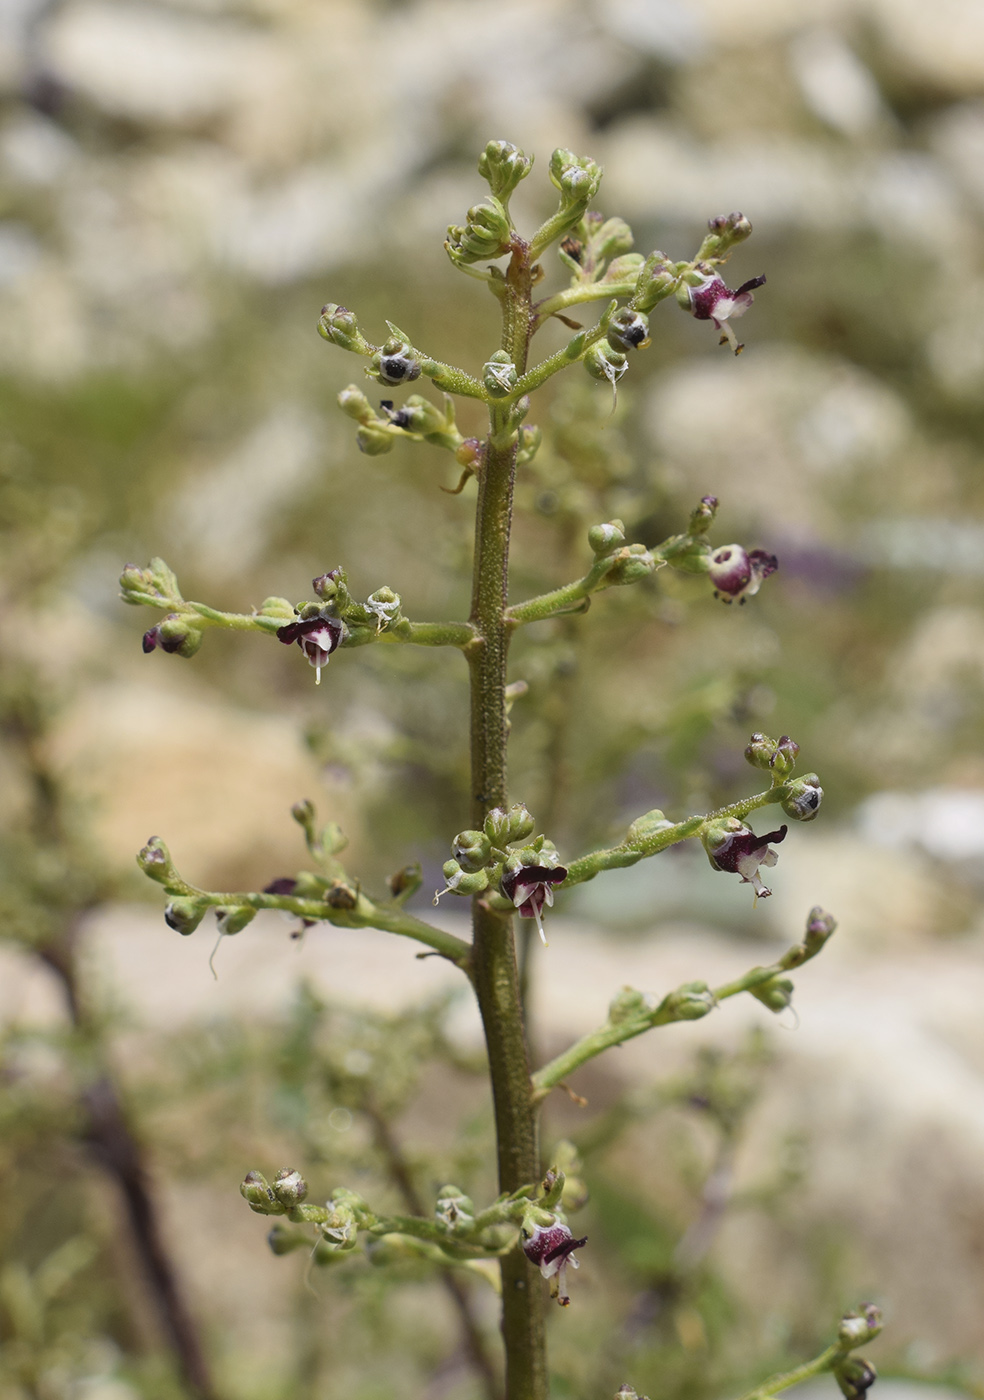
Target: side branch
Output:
[
  {"x": 648, "y": 839},
  {"x": 343, "y": 905},
  {"x": 632, "y": 1013}
]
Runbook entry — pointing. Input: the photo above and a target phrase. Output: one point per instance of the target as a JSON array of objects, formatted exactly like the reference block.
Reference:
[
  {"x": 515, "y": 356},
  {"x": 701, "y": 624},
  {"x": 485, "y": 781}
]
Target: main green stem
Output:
[{"x": 494, "y": 952}]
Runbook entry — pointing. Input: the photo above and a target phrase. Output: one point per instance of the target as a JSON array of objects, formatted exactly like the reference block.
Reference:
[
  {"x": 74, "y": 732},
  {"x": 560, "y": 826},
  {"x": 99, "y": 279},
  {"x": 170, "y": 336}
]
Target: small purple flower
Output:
[
  {"x": 156, "y": 638},
  {"x": 713, "y": 301},
  {"x": 733, "y": 846},
  {"x": 316, "y": 636},
  {"x": 738, "y": 573},
  {"x": 551, "y": 1248},
  {"x": 529, "y": 888}
]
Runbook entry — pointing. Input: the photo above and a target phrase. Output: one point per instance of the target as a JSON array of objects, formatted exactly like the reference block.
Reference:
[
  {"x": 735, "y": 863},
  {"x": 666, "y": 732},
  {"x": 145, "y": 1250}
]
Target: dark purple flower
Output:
[
  {"x": 283, "y": 884},
  {"x": 713, "y": 301},
  {"x": 529, "y": 888},
  {"x": 316, "y": 636},
  {"x": 733, "y": 846},
  {"x": 156, "y": 638},
  {"x": 551, "y": 1248},
  {"x": 738, "y": 573}
]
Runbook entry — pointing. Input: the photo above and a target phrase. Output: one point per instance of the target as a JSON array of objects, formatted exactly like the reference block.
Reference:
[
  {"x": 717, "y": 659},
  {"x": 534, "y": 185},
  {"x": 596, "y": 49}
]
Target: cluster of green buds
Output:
[
  {"x": 518, "y": 874},
  {"x": 854, "y": 1374},
  {"x": 320, "y": 628},
  {"x": 616, "y": 561},
  {"x": 418, "y": 420},
  {"x": 803, "y": 795},
  {"x": 338, "y": 1221}
]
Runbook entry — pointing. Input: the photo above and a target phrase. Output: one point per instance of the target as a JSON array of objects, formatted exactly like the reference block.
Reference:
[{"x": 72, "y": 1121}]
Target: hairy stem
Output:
[{"x": 494, "y": 954}]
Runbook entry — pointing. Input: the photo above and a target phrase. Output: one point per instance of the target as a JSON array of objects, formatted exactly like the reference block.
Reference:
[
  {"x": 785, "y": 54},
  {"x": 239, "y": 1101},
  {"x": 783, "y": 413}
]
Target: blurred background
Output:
[{"x": 183, "y": 186}]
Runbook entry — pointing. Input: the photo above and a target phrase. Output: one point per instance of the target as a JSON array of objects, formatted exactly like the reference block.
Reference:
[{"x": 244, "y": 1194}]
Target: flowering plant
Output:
[{"x": 500, "y": 862}]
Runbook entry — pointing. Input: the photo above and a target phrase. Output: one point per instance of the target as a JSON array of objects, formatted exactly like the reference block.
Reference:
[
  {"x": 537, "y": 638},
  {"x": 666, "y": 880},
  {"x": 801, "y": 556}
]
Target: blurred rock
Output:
[
  {"x": 158, "y": 758},
  {"x": 781, "y": 424}
]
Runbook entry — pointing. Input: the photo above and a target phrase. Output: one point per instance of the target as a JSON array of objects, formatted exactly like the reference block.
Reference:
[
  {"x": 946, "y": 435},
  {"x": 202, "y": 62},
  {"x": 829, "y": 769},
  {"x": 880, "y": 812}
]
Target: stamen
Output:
[
  {"x": 317, "y": 673},
  {"x": 539, "y": 924}
]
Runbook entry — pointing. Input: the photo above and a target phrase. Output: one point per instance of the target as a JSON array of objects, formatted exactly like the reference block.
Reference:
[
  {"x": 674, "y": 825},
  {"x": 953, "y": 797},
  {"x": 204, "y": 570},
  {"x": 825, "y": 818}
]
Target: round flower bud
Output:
[
  {"x": 629, "y": 330},
  {"x": 648, "y": 825},
  {"x": 184, "y": 914},
  {"x": 803, "y": 800},
  {"x": 463, "y": 882},
  {"x": 395, "y": 363},
  {"x": 506, "y": 828},
  {"x": 374, "y": 440},
  {"x": 406, "y": 881},
  {"x": 256, "y": 1191},
  {"x": 289, "y": 1187},
  {"x": 341, "y": 895},
  {"x": 602, "y": 362},
  {"x": 819, "y": 926},
  {"x": 503, "y": 165},
  {"x": 234, "y": 920},
  {"x": 354, "y": 404},
  {"x": 855, "y": 1376},
  {"x": 472, "y": 849},
  {"x": 454, "y": 1209},
  {"x": 784, "y": 760},
  {"x": 499, "y": 375},
  {"x": 776, "y": 994},
  {"x": 760, "y": 750},
  {"x": 604, "y": 538}
]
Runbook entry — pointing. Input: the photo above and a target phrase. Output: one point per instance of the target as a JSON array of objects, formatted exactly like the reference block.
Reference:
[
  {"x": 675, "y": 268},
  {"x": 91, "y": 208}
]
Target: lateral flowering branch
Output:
[
  {"x": 454, "y": 1236},
  {"x": 854, "y": 1375},
  {"x": 319, "y": 628},
  {"x": 633, "y": 1013},
  {"x": 324, "y": 896}
]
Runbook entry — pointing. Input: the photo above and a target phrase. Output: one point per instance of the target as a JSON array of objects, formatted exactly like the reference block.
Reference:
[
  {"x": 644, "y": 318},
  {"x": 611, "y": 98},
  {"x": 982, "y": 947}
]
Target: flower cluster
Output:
[{"x": 520, "y": 879}]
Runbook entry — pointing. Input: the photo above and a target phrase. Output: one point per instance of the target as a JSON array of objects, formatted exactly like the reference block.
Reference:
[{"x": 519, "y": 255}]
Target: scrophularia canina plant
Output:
[{"x": 499, "y": 861}]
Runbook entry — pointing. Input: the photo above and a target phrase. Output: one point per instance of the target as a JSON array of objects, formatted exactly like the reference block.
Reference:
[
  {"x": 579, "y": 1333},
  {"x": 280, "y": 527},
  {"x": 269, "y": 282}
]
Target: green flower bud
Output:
[
  {"x": 861, "y": 1326},
  {"x": 234, "y": 920},
  {"x": 855, "y": 1376},
  {"x": 283, "y": 1240},
  {"x": 406, "y": 881},
  {"x": 805, "y": 794},
  {"x": 486, "y": 234},
  {"x": 656, "y": 281},
  {"x": 503, "y": 165},
  {"x": 632, "y": 563},
  {"x": 604, "y": 538},
  {"x": 341, "y": 895},
  {"x": 576, "y": 177},
  {"x": 353, "y": 402},
  {"x": 255, "y": 1190},
  {"x": 776, "y": 994},
  {"x": 276, "y": 607},
  {"x": 689, "y": 1003},
  {"x": 506, "y": 828},
  {"x": 340, "y": 1230},
  {"x": 472, "y": 849},
  {"x": 528, "y": 445},
  {"x": 785, "y": 757},
  {"x": 463, "y": 882},
  {"x": 702, "y": 516},
  {"x": 374, "y": 440},
  {"x": 499, "y": 375},
  {"x": 454, "y": 1209},
  {"x": 184, "y": 914},
  {"x": 819, "y": 927},
  {"x": 602, "y": 362},
  {"x": 418, "y": 415},
  {"x": 628, "y": 1004},
  {"x": 340, "y": 326},
  {"x": 647, "y": 826},
  {"x": 174, "y": 634},
  {"x": 289, "y": 1187},
  {"x": 613, "y": 238},
  {"x": 155, "y": 861},
  {"x": 628, "y": 330},
  {"x": 624, "y": 269},
  {"x": 760, "y": 750},
  {"x": 395, "y": 363},
  {"x": 724, "y": 233}
]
